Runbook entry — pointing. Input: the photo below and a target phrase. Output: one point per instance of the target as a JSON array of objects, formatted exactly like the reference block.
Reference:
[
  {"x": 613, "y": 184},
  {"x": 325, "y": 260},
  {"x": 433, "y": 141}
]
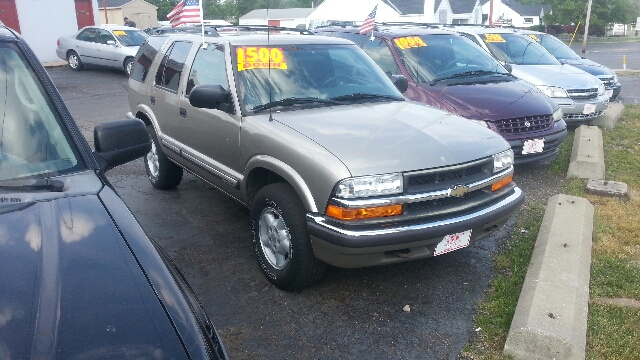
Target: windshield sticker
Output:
[
  {"x": 408, "y": 42},
  {"x": 494, "y": 38},
  {"x": 119, "y": 33},
  {"x": 260, "y": 58},
  {"x": 534, "y": 37}
]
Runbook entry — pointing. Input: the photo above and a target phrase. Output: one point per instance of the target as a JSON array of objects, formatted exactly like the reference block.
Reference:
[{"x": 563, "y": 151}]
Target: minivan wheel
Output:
[
  {"x": 73, "y": 59},
  {"x": 128, "y": 65},
  {"x": 162, "y": 173},
  {"x": 281, "y": 240}
]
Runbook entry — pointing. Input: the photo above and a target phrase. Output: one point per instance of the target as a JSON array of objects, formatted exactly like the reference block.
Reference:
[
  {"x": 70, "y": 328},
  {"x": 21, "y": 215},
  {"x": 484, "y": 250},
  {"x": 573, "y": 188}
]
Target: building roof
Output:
[
  {"x": 458, "y": 6},
  {"x": 292, "y": 13},
  {"x": 116, "y": 3},
  {"x": 523, "y": 10},
  {"x": 407, "y": 7}
]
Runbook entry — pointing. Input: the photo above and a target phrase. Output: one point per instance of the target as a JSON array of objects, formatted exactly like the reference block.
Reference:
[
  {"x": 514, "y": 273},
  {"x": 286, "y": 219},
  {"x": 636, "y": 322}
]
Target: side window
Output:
[
  {"x": 472, "y": 38},
  {"x": 104, "y": 36},
  {"x": 168, "y": 75},
  {"x": 89, "y": 35},
  {"x": 380, "y": 53},
  {"x": 144, "y": 57},
  {"x": 208, "y": 68}
]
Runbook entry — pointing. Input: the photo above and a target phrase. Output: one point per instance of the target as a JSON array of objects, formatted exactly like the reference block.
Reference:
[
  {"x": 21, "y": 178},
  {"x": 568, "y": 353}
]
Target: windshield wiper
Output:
[
  {"x": 32, "y": 185},
  {"x": 367, "y": 96},
  {"x": 292, "y": 101},
  {"x": 468, "y": 74}
]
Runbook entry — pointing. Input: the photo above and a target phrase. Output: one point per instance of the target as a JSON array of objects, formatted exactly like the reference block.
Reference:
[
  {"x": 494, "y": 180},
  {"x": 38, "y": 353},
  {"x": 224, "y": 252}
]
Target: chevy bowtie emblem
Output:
[
  {"x": 458, "y": 190},
  {"x": 527, "y": 124}
]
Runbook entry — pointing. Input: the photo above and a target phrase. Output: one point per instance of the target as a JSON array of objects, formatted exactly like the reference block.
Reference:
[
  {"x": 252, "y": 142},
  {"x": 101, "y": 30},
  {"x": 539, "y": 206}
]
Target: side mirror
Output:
[
  {"x": 111, "y": 42},
  {"x": 508, "y": 67},
  {"x": 208, "y": 96},
  {"x": 400, "y": 82},
  {"x": 118, "y": 142}
]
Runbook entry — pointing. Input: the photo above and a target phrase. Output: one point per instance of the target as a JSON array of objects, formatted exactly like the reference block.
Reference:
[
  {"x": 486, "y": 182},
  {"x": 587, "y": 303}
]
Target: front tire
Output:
[
  {"x": 281, "y": 240},
  {"x": 73, "y": 59},
  {"x": 162, "y": 173},
  {"x": 128, "y": 65}
]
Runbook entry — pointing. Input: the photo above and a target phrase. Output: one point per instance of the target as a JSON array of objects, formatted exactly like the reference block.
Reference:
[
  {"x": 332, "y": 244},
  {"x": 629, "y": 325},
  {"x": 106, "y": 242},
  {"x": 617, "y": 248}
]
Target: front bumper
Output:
[
  {"x": 576, "y": 111},
  {"x": 353, "y": 247},
  {"x": 614, "y": 89},
  {"x": 551, "y": 144}
]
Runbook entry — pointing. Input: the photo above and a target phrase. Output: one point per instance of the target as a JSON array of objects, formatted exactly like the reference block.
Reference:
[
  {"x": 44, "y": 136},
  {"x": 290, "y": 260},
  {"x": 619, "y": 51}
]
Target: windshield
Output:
[
  {"x": 307, "y": 73},
  {"x": 32, "y": 140},
  {"x": 518, "y": 49},
  {"x": 555, "y": 46},
  {"x": 431, "y": 57},
  {"x": 131, "y": 37}
]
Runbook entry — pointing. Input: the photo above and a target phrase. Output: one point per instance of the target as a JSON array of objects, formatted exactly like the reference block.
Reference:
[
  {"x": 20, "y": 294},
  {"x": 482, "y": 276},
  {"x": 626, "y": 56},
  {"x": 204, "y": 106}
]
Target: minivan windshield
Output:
[
  {"x": 518, "y": 49},
  {"x": 432, "y": 57},
  {"x": 555, "y": 46},
  {"x": 308, "y": 75}
]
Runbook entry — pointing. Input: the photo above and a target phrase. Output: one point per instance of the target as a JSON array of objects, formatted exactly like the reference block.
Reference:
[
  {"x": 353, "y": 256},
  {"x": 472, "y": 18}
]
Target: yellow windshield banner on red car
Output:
[
  {"x": 494, "y": 38},
  {"x": 260, "y": 58},
  {"x": 534, "y": 37},
  {"x": 119, "y": 33},
  {"x": 408, "y": 42}
]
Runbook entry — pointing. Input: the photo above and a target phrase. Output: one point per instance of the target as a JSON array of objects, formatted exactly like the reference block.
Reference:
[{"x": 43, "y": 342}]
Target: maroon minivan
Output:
[{"x": 449, "y": 71}]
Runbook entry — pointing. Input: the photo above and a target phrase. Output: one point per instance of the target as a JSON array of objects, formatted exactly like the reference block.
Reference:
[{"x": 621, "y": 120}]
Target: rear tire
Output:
[
  {"x": 162, "y": 173},
  {"x": 73, "y": 59},
  {"x": 281, "y": 240},
  {"x": 128, "y": 65}
]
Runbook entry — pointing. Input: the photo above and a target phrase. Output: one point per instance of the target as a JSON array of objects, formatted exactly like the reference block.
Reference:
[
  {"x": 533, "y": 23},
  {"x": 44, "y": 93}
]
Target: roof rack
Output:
[
  {"x": 416, "y": 24},
  {"x": 257, "y": 28}
]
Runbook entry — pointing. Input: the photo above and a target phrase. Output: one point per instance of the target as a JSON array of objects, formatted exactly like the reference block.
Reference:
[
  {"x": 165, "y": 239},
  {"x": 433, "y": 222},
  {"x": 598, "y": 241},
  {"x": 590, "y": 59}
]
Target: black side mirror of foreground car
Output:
[
  {"x": 508, "y": 67},
  {"x": 118, "y": 142},
  {"x": 401, "y": 82},
  {"x": 208, "y": 96}
]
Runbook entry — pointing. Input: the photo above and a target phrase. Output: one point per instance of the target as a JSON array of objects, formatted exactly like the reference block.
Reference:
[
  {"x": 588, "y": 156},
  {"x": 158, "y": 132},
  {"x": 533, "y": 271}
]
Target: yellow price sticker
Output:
[
  {"x": 409, "y": 42},
  {"x": 494, "y": 38},
  {"x": 260, "y": 58},
  {"x": 119, "y": 33},
  {"x": 534, "y": 37}
]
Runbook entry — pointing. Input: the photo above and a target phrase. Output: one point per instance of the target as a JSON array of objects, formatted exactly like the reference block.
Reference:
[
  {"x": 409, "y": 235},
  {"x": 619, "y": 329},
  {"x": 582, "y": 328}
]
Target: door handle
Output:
[
  {"x": 153, "y": 100},
  {"x": 183, "y": 112}
]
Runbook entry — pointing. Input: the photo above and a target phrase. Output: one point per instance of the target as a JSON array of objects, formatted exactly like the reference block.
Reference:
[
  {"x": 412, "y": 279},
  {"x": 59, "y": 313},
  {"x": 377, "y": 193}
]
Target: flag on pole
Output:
[
  {"x": 367, "y": 25},
  {"x": 186, "y": 12},
  {"x": 499, "y": 21}
]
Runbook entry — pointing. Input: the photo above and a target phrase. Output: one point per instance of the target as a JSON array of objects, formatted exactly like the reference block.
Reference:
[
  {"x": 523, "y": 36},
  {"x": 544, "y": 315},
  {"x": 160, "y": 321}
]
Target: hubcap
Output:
[
  {"x": 152, "y": 161},
  {"x": 129, "y": 67},
  {"x": 73, "y": 61},
  {"x": 274, "y": 238}
]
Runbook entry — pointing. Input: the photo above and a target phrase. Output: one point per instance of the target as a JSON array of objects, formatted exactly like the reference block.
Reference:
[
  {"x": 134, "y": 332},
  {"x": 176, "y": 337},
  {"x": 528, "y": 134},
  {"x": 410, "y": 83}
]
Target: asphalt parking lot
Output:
[{"x": 349, "y": 314}]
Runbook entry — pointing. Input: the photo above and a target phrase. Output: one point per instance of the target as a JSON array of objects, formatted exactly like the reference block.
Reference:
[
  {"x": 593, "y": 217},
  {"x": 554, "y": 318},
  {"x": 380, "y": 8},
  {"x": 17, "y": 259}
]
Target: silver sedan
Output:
[{"x": 105, "y": 45}]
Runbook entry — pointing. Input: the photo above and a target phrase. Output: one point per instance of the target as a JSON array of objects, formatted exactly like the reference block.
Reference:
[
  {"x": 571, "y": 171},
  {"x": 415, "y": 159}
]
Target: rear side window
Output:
[
  {"x": 89, "y": 34},
  {"x": 145, "y": 56},
  {"x": 169, "y": 72}
]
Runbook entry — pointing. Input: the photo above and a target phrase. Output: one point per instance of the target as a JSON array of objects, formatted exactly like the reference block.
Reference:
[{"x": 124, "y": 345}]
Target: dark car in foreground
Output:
[
  {"x": 565, "y": 55},
  {"x": 80, "y": 279},
  {"x": 448, "y": 71}
]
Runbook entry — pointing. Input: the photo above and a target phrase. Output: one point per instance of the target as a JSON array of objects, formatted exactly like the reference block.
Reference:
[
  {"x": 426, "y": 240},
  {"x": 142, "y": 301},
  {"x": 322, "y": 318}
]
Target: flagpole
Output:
[{"x": 200, "y": 4}]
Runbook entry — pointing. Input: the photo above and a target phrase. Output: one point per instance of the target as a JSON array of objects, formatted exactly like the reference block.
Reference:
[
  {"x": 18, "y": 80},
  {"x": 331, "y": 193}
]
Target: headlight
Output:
[
  {"x": 480, "y": 122},
  {"x": 601, "y": 90},
  {"x": 553, "y": 91},
  {"x": 557, "y": 115},
  {"x": 502, "y": 160},
  {"x": 366, "y": 186}
]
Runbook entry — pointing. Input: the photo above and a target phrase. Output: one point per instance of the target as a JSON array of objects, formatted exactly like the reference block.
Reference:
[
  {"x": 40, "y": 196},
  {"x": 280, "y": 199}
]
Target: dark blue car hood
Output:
[
  {"x": 589, "y": 66},
  {"x": 71, "y": 288}
]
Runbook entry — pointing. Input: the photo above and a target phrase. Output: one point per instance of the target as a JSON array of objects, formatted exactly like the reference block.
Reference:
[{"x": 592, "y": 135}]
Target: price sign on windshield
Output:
[
  {"x": 119, "y": 33},
  {"x": 408, "y": 42},
  {"x": 260, "y": 58},
  {"x": 494, "y": 38}
]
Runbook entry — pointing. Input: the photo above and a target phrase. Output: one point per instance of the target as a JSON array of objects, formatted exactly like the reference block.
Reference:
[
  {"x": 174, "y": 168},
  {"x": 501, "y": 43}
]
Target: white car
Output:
[
  {"x": 106, "y": 45},
  {"x": 580, "y": 95}
]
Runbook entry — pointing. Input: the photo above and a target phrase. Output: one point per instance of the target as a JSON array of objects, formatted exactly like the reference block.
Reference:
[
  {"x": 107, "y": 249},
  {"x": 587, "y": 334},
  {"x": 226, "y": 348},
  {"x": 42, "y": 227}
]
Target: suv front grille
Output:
[
  {"x": 524, "y": 124},
  {"x": 607, "y": 80},
  {"x": 430, "y": 180},
  {"x": 582, "y": 116},
  {"x": 583, "y": 94}
]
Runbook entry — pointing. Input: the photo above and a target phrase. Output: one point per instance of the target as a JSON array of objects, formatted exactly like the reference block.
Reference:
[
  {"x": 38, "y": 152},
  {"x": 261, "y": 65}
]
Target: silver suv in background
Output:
[
  {"x": 336, "y": 166},
  {"x": 580, "y": 95}
]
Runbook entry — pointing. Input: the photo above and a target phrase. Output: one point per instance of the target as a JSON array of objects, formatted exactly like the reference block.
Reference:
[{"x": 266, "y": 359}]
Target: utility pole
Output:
[
  {"x": 106, "y": 16},
  {"x": 490, "y": 12},
  {"x": 586, "y": 28}
]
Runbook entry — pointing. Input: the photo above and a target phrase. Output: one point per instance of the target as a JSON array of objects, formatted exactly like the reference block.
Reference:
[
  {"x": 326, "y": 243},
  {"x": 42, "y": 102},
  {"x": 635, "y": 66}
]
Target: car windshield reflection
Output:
[
  {"x": 518, "y": 49},
  {"x": 131, "y": 37}
]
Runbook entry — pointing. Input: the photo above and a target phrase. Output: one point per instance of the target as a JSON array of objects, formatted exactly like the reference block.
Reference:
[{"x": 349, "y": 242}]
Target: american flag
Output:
[
  {"x": 186, "y": 12},
  {"x": 499, "y": 21},
  {"x": 367, "y": 25}
]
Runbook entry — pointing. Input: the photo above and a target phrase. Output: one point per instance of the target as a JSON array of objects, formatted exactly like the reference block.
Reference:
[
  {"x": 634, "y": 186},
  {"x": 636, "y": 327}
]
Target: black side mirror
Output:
[
  {"x": 118, "y": 142},
  {"x": 508, "y": 67},
  {"x": 208, "y": 96},
  {"x": 400, "y": 82}
]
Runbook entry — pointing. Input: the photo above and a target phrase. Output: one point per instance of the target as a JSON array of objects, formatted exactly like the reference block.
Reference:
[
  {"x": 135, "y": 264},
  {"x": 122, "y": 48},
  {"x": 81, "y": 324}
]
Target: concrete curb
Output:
[
  {"x": 54, "y": 64},
  {"x": 610, "y": 117},
  {"x": 587, "y": 154},
  {"x": 550, "y": 321}
]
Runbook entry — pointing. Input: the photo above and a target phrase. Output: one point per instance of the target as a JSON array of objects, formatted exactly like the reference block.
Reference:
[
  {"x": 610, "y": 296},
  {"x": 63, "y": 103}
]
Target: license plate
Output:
[
  {"x": 453, "y": 242},
  {"x": 589, "y": 109},
  {"x": 609, "y": 93},
  {"x": 532, "y": 146}
]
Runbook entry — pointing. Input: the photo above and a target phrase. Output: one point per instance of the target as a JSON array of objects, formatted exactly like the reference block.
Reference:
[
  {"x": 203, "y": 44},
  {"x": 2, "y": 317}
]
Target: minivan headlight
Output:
[
  {"x": 553, "y": 91},
  {"x": 502, "y": 160},
  {"x": 558, "y": 114},
  {"x": 601, "y": 89},
  {"x": 366, "y": 186}
]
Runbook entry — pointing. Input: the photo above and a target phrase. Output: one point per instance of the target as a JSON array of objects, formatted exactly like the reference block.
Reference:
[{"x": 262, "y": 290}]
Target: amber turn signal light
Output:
[
  {"x": 363, "y": 213},
  {"x": 501, "y": 183}
]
